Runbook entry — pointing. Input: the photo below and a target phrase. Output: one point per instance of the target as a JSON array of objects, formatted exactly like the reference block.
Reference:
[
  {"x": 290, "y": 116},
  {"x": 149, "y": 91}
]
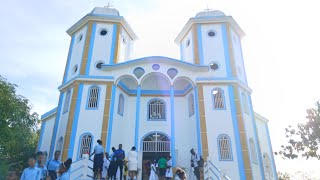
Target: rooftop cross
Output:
[
  {"x": 207, "y": 9},
  {"x": 109, "y": 5}
]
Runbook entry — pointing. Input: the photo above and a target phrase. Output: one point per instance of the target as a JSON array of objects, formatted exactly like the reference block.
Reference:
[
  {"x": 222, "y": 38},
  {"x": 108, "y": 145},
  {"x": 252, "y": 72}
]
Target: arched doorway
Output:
[{"x": 154, "y": 146}]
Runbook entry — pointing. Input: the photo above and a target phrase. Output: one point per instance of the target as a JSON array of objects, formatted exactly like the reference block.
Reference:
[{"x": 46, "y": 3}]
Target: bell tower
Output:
[{"x": 100, "y": 37}]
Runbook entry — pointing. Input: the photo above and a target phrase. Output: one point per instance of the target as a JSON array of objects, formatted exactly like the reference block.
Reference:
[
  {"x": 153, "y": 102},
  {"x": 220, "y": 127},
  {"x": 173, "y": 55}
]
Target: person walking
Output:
[
  {"x": 63, "y": 170},
  {"x": 98, "y": 159},
  {"x": 53, "y": 165},
  {"x": 133, "y": 163},
  {"x": 119, "y": 155},
  {"x": 112, "y": 166},
  {"x": 194, "y": 163},
  {"x": 31, "y": 173},
  {"x": 153, "y": 171},
  {"x": 162, "y": 164},
  {"x": 169, "y": 173},
  {"x": 105, "y": 167}
]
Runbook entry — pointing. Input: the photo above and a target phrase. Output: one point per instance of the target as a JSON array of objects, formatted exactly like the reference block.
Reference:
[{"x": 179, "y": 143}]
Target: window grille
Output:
[
  {"x": 253, "y": 150},
  {"x": 156, "y": 110},
  {"x": 191, "y": 105},
  {"x": 85, "y": 147},
  {"x": 224, "y": 146},
  {"x": 93, "y": 97},
  {"x": 245, "y": 103},
  {"x": 59, "y": 144},
  {"x": 218, "y": 99},
  {"x": 267, "y": 166},
  {"x": 67, "y": 102},
  {"x": 121, "y": 105}
]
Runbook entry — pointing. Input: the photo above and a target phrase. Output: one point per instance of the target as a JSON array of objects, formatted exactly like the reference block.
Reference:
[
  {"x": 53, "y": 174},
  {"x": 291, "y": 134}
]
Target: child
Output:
[
  {"x": 31, "y": 173},
  {"x": 63, "y": 170},
  {"x": 106, "y": 163},
  {"x": 125, "y": 167}
]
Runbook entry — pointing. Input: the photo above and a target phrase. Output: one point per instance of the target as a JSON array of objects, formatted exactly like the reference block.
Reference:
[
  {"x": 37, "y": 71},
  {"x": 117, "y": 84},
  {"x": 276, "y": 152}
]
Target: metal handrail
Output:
[
  {"x": 77, "y": 169},
  {"x": 225, "y": 176}
]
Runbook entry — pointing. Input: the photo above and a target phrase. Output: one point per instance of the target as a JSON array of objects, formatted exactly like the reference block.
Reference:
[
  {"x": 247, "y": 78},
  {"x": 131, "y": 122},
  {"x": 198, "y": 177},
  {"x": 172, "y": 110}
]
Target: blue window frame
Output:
[
  {"x": 93, "y": 97},
  {"x": 121, "y": 105},
  {"x": 85, "y": 144},
  {"x": 66, "y": 102},
  {"x": 191, "y": 105},
  {"x": 253, "y": 151},
  {"x": 224, "y": 148},
  {"x": 156, "y": 110},
  {"x": 218, "y": 99},
  {"x": 245, "y": 104}
]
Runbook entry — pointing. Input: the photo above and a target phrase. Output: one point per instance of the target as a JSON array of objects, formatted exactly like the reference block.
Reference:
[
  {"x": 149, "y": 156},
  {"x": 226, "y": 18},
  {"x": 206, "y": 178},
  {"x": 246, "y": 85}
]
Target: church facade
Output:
[{"x": 160, "y": 105}]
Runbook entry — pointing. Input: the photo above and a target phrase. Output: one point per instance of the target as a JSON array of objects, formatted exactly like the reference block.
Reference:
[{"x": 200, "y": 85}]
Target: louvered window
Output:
[
  {"x": 267, "y": 167},
  {"x": 121, "y": 105},
  {"x": 86, "y": 143},
  {"x": 59, "y": 144},
  {"x": 218, "y": 98},
  {"x": 156, "y": 110},
  {"x": 253, "y": 151},
  {"x": 93, "y": 99},
  {"x": 67, "y": 102},
  {"x": 224, "y": 145},
  {"x": 245, "y": 104},
  {"x": 191, "y": 105}
]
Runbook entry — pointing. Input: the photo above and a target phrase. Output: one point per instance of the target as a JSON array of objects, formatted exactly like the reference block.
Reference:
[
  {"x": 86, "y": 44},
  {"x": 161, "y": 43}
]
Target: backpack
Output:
[{"x": 201, "y": 162}]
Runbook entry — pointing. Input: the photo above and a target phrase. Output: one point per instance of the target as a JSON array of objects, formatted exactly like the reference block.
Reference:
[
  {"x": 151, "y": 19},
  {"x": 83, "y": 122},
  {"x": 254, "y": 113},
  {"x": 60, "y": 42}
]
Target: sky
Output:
[{"x": 281, "y": 50}]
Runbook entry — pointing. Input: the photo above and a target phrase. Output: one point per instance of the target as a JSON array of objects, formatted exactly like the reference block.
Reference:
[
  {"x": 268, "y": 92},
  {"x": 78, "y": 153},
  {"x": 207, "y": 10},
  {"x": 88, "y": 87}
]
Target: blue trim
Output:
[
  {"x": 165, "y": 110},
  {"x": 56, "y": 125},
  {"x": 93, "y": 33},
  {"x": 113, "y": 44},
  {"x": 230, "y": 143},
  {"x": 75, "y": 121},
  {"x": 113, "y": 94},
  {"x": 236, "y": 134},
  {"x": 152, "y": 132},
  {"x": 224, "y": 99},
  {"x": 122, "y": 105},
  {"x": 88, "y": 97},
  {"x": 226, "y": 50},
  {"x": 49, "y": 113},
  {"x": 191, "y": 100},
  {"x": 106, "y": 16},
  {"x": 215, "y": 79},
  {"x": 181, "y": 52},
  {"x": 242, "y": 61},
  {"x": 136, "y": 136},
  {"x": 86, "y": 77},
  {"x": 79, "y": 144},
  {"x": 154, "y": 59},
  {"x": 197, "y": 120},
  {"x": 69, "y": 59},
  {"x": 271, "y": 153},
  {"x": 200, "y": 45},
  {"x": 173, "y": 139},
  {"x": 43, "y": 126},
  {"x": 256, "y": 138}
]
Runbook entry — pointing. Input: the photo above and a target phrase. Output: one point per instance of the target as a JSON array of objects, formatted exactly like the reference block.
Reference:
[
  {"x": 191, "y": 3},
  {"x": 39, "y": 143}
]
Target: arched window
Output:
[
  {"x": 85, "y": 145},
  {"x": 218, "y": 99},
  {"x": 121, "y": 105},
  {"x": 191, "y": 105},
  {"x": 59, "y": 144},
  {"x": 224, "y": 148},
  {"x": 253, "y": 151},
  {"x": 267, "y": 167},
  {"x": 66, "y": 102},
  {"x": 245, "y": 103},
  {"x": 93, "y": 97},
  {"x": 156, "y": 110}
]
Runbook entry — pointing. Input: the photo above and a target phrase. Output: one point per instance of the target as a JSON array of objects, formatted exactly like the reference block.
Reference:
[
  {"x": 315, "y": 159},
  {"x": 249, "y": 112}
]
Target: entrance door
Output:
[{"x": 154, "y": 146}]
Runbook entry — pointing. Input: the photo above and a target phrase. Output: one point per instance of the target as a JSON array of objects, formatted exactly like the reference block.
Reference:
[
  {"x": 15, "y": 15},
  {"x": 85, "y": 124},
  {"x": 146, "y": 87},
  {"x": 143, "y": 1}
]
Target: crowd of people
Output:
[{"x": 106, "y": 166}]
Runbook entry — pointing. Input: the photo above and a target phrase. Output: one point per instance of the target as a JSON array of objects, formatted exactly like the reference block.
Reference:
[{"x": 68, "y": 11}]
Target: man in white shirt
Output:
[{"x": 194, "y": 163}]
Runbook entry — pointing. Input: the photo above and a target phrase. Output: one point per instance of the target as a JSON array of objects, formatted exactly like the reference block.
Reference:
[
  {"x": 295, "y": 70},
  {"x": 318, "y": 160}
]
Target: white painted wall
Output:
[
  {"x": 220, "y": 122},
  {"x": 77, "y": 51},
  {"x": 125, "y": 46},
  {"x": 47, "y": 134},
  {"x": 187, "y": 51},
  {"x": 237, "y": 51}
]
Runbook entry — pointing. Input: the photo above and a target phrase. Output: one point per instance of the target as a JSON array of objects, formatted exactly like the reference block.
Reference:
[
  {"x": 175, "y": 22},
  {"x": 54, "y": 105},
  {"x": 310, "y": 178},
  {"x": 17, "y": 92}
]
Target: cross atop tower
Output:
[
  {"x": 109, "y": 5},
  {"x": 207, "y": 9}
]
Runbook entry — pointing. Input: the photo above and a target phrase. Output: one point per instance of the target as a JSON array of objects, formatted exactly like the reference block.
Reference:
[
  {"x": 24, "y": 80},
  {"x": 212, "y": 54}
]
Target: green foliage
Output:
[
  {"x": 18, "y": 127},
  {"x": 305, "y": 138},
  {"x": 283, "y": 176}
]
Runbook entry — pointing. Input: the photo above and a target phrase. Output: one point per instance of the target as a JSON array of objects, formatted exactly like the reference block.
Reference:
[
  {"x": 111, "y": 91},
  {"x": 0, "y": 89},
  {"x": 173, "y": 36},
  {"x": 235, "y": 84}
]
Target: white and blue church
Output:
[{"x": 160, "y": 105}]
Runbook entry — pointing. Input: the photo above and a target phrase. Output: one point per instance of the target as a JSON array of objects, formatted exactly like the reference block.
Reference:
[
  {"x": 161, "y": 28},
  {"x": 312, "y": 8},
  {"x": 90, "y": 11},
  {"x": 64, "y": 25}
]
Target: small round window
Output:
[
  {"x": 80, "y": 37},
  {"x": 211, "y": 33},
  {"x": 75, "y": 68},
  {"x": 99, "y": 65},
  {"x": 188, "y": 43},
  {"x": 214, "y": 66},
  {"x": 156, "y": 67},
  {"x": 103, "y": 32}
]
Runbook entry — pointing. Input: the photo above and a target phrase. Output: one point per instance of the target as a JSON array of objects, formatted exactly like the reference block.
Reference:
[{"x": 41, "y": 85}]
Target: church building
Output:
[{"x": 160, "y": 105}]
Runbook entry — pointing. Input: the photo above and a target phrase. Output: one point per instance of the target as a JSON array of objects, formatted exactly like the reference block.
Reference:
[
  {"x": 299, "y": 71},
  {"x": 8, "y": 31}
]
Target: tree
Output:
[
  {"x": 283, "y": 176},
  {"x": 18, "y": 127},
  {"x": 305, "y": 138}
]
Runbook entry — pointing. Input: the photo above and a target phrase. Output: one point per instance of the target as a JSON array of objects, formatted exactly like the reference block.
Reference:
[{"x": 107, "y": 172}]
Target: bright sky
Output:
[{"x": 280, "y": 49}]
